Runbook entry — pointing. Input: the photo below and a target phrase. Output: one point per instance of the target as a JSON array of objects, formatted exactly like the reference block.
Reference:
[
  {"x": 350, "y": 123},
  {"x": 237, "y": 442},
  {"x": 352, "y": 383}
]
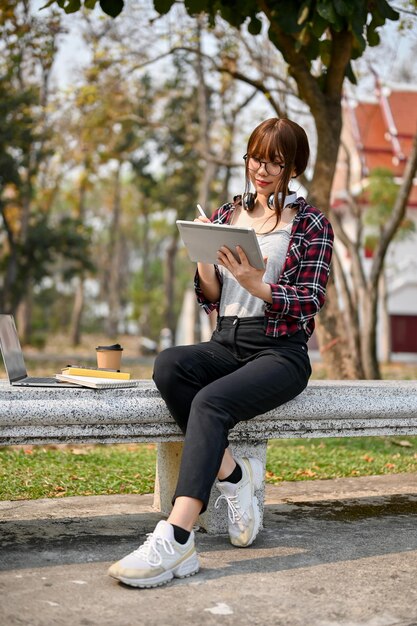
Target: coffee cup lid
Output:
[{"x": 115, "y": 346}]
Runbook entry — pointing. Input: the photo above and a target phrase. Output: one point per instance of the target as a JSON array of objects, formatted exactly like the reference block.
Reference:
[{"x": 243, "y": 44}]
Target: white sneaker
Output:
[
  {"x": 158, "y": 560},
  {"x": 243, "y": 506}
]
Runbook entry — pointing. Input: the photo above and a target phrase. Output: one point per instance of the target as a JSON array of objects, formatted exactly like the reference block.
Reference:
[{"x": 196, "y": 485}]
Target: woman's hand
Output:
[
  {"x": 200, "y": 218},
  {"x": 246, "y": 275}
]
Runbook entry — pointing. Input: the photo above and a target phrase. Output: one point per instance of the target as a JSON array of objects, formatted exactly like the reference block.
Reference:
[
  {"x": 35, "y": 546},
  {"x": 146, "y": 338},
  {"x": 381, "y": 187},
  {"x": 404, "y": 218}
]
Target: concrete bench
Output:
[{"x": 40, "y": 416}]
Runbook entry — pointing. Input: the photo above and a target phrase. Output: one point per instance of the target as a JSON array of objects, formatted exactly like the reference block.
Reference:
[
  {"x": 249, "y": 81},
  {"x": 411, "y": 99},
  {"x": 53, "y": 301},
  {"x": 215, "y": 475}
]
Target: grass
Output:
[
  {"x": 37, "y": 472},
  {"x": 296, "y": 459},
  {"x": 48, "y": 472}
]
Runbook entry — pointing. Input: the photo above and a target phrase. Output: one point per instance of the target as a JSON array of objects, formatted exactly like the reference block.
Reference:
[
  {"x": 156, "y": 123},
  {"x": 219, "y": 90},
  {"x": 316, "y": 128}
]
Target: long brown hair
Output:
[{"x": 282, "y": 138}]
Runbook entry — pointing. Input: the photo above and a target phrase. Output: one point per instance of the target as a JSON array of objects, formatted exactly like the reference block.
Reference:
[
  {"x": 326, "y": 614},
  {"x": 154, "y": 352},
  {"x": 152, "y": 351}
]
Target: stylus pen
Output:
[{"x": 200, "y": 210}]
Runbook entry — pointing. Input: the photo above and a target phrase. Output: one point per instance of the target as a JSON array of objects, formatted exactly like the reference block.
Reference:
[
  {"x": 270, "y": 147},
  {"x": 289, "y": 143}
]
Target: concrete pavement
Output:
[{"x": 333, "y": 553}]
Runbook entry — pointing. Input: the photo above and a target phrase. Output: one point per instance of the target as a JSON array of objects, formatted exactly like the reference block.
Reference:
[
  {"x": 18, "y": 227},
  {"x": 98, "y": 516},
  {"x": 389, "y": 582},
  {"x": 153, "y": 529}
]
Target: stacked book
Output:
[{"x": 95, "y": 378}]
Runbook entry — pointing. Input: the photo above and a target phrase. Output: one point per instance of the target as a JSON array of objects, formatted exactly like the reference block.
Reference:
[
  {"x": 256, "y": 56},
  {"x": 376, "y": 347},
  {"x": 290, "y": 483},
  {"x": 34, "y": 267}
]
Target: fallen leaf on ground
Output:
[
  {"x": 368, "y": 458},
  {"x": 306, "y": 472}
]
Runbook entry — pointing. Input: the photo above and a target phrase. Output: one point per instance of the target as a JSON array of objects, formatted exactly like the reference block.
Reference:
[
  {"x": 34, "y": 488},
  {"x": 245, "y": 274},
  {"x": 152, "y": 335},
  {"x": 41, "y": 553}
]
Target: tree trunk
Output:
[
  {"x": 78, "y": 305},
  {"x": 386, "y": 340},
  {"x": 204, "y": 123},
  {"x": 333, "y": 340},
  {"x": 169, "y": 315},
  {"x": 324, "y": 101},
  {"x": 145, "y": 322},
  {"x": 7, "y": 293},
  {"x": 351, "y": 315},
  {"x": 334, "y": 345},
  {"x": 113, "y": 296},
  {"x": 24, "y": 314},
  {"x": 24, "y": 307},
  {"x": 77, "y": 311},
  {"x": 369, "y": 356}
]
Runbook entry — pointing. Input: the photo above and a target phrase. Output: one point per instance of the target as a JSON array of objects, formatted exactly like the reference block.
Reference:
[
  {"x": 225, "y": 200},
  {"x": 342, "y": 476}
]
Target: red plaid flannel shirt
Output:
[{"x": 299, "y": 292}]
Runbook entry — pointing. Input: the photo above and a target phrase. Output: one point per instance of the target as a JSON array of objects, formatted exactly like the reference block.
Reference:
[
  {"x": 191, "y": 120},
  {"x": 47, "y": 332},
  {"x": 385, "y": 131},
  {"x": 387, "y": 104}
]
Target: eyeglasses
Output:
[{"x": 272, "y": 167}]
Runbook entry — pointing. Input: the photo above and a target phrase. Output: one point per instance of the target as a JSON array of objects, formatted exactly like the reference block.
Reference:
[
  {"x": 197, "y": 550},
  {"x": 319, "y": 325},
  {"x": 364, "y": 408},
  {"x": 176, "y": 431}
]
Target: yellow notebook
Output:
[
  {"x": 95, "y": 373},
  {"x": 96, "y": 383}
]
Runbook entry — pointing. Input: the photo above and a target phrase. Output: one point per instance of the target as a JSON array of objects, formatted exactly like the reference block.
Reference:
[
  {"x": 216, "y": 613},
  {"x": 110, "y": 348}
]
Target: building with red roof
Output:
[{"x": 378, "y": 132}]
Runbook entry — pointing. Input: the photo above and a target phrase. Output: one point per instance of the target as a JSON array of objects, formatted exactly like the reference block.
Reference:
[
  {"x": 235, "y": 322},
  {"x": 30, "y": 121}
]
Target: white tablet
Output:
[{"x": 203, "y": 240}]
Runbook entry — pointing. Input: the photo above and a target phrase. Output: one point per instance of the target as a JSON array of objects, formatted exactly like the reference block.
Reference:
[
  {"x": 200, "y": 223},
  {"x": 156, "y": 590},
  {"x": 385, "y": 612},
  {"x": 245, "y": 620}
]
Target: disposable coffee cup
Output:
[{"x": 109, "y": 357}]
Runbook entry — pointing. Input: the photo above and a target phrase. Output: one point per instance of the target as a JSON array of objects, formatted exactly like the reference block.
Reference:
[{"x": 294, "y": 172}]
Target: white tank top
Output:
[{"x": 234, "y": 299}]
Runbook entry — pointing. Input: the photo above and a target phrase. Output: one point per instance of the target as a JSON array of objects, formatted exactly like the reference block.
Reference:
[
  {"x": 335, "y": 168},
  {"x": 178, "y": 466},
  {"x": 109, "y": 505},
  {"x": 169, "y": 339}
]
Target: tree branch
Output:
[
  {"x": 308, "y": 86},
  {"x": 261, "y": 62},
  {"x": 398, "y": 213},
  {"x": 352, "y": 204},
  {"x": 139, "y": 66},
  {"x": 243, "y": 104},
  {"x": 353, "y": 249},
  {"x": 343, "y": 283}
]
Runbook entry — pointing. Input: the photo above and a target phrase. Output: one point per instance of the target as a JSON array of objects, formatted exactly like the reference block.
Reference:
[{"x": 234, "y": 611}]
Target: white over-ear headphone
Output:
[{"x": 292, "y": 197}]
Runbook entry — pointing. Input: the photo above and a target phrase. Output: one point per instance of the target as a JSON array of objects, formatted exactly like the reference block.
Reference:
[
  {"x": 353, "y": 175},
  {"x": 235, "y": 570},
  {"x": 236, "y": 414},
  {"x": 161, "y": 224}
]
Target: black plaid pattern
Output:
[{"x": 300, "y": 290}]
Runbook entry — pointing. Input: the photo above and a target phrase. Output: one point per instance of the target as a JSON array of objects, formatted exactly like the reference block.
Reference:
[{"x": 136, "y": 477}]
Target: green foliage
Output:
[
  {"x": 70, "y": 6},
  {"x": 255, "y": 26},
  {"x": 110, "y": 7},
  {"x": 305, "y": 21},
  {"x": 17, "y": 131},
  {"x": 382, "y": 192},
  {"x": 149, "y": 297},
  {"x": 49, "y": 296},
  {"x": 33, "y": 253},
  {"x": 27, "y": 50},
  {"x": 178, "y": 140},
  {"x": 163, "y": 6},
  {"x": 67, "y": 240}
]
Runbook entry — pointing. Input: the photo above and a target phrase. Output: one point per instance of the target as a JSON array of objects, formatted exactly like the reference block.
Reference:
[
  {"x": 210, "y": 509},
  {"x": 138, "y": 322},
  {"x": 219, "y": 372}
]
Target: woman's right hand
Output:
[{"x": 200, "y": 218}]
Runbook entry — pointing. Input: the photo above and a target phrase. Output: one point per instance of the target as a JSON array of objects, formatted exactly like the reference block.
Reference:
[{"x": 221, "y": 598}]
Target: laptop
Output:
[{"x": 14, "y": 361}]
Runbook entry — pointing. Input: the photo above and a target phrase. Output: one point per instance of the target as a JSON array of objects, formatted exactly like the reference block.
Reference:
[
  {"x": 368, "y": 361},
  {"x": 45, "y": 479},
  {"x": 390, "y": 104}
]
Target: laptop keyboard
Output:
[{"x": 37, "y": 379}]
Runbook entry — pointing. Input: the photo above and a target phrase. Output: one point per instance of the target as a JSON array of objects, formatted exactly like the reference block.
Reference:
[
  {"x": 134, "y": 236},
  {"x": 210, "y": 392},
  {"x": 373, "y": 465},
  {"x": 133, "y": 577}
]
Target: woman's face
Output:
[{"x": 265, "y": 175}]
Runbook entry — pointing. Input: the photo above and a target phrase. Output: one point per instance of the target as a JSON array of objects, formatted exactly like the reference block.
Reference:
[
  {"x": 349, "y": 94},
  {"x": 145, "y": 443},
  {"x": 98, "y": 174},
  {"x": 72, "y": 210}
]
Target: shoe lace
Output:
[
  {"x": 235, "y": 515},
  {"x": 150, "y": 549}
]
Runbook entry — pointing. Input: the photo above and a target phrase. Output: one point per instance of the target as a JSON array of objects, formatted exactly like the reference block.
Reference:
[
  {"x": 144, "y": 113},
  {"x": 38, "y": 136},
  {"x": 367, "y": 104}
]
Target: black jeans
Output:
[{"x": 211, "y": 386}]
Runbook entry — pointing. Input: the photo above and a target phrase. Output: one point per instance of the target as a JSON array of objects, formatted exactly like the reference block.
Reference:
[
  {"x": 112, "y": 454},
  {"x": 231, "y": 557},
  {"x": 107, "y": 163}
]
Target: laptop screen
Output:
[{"x": 11, "y": 350}]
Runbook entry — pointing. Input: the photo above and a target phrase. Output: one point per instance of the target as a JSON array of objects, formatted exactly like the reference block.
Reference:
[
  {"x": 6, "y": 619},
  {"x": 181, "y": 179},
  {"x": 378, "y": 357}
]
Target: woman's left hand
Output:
[{"x": 246, "y": 275}]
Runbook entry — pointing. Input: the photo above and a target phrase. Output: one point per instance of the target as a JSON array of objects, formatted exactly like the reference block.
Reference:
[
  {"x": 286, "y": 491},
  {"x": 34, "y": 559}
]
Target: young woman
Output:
[{"x": 256, "y": 360}]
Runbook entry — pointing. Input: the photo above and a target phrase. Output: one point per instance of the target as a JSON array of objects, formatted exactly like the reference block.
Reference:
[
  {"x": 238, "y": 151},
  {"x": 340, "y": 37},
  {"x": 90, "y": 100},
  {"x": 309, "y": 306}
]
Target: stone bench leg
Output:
[{"x": 214, "y": 521}]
